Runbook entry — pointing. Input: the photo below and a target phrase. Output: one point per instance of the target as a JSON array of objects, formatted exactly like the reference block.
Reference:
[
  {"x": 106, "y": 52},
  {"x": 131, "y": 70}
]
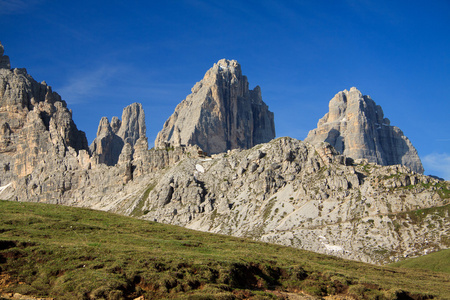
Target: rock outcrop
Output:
[
  {"x": 292, "y": 193},
  {"x": 355, "y": 126},
  {"x": 220, "y": 114},
  {"x": 35, "y": 125},
  {"x": 107, "y": 146},
  {"x": 45, "y": 158},
  {"x": 132, "y": 126},
  {"x": 111, "y": 137}
]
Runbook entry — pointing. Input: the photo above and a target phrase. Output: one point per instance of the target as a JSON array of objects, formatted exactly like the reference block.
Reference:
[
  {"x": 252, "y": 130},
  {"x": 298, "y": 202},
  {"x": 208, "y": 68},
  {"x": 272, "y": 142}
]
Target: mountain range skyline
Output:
[{"x": 101, "y": 57}]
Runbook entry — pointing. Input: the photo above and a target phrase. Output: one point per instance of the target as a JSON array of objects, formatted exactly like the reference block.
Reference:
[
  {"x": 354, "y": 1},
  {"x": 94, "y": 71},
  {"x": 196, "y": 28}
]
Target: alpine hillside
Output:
[{"x": 354, "y": 188}]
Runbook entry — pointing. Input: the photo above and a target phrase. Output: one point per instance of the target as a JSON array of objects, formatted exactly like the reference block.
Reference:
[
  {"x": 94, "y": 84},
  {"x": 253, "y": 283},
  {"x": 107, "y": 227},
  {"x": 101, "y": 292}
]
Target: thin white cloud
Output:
[
  {"x": 86, "y": 84},
  {"x": 114, "y": 80},
  {"x": 8, "y": 7},
  {"x": 437, "y": 164}
]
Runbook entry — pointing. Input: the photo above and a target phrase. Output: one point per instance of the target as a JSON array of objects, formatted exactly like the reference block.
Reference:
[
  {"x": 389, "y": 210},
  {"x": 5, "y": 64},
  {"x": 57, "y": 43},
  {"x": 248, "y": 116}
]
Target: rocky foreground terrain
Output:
[{"x": 302, "y": 194}]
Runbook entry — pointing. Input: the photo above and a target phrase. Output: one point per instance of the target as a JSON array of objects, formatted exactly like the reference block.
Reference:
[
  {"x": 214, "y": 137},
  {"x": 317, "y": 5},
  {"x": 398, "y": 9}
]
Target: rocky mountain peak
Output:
[
  {"x": 104, "y": 128},
  {"x": 355, "y": 125},
  {"x": 115, "y": 124},
  {"x": 36, "y": 127},
  {"x": 220, "y": 114},
  {"x": 133, "y": 124},
  {"x": 112, "y": 137},
  {"x": 4, "y": 60},
  {"x": 285, "y": 191}
]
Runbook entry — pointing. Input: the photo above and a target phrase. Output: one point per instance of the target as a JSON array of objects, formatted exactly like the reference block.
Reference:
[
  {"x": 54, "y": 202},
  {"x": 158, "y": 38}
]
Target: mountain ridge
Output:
[{"x": 284, "y": 191}]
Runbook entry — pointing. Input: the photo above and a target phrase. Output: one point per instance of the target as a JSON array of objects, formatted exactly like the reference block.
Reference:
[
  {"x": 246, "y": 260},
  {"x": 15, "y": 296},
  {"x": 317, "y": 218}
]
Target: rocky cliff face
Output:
[
  {"x": 45, "y": 158},
  {"x": 220, "y": 114},
  {"x": 356, "y": 127},
  {"x": 107, "y": 146},
  {"x": 35, "y": 124},
  {"x": 132, "y": 126},
  {"x": 111, "y": 137}
]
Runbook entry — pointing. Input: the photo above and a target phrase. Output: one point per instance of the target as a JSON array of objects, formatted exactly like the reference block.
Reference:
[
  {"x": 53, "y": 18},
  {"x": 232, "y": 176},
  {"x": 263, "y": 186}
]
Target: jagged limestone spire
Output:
[
  {"x": 356, "y": 127},
  {"x": 112, "y": 137},
  {"x": 220, "y": 114}
]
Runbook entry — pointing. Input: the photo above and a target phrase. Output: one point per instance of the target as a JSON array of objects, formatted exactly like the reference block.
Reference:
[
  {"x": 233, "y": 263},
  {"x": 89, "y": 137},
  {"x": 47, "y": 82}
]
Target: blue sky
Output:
[{"x": 103, "y": 55}]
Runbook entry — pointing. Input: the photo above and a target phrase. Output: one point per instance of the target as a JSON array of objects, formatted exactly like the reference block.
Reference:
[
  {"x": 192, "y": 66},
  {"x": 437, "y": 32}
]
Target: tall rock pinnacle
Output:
[
  {"x": 220, "y": 114},
  {"x": 133, "y": 124},
  {"x": 356, "y": 127},
  {"x": 111, "y": 137}
]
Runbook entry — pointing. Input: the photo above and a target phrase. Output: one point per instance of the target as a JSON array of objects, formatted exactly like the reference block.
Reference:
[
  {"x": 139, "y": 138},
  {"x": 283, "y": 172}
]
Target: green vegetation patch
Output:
[
  {"x": 72, "y": 253},
  {"x": 442, "y": 188},
  {"x": 437, "y": 261},
  {"x": 418, "y": 216},
  {"x": 137, "y": 211}
]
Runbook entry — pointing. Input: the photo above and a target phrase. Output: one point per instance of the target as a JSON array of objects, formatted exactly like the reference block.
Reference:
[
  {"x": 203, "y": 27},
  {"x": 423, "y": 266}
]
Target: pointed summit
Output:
[
  {"x": 133, "y": 124},
  {"x": 220, "y": 114},
  {"x": 112, "y": 137},
  {"x": 356, "y": 127}
]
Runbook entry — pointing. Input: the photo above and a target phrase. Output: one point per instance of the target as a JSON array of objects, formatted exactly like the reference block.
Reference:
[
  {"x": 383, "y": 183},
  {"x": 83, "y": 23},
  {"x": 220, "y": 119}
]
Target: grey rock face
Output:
[
  {"x": 111, "y": 137},
  {"x": 21, "y": 95},
  {"x": 44, "y": 157},
  {"x": 35, "y": 125},
  {"x": 132, "y": 126},
  {"x": 220, "y": 114},
  {"x": 107, "y": 146},
  {"x": 292, "y": 193},
  {"x": 356, "y": 127},
  {"x": 40, "y": 145}
]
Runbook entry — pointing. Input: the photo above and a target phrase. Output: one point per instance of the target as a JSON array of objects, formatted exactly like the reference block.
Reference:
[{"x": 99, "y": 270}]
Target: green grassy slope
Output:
[
  {"x": 436, "y": 261},
  {"x": 73, "y": 253}
]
